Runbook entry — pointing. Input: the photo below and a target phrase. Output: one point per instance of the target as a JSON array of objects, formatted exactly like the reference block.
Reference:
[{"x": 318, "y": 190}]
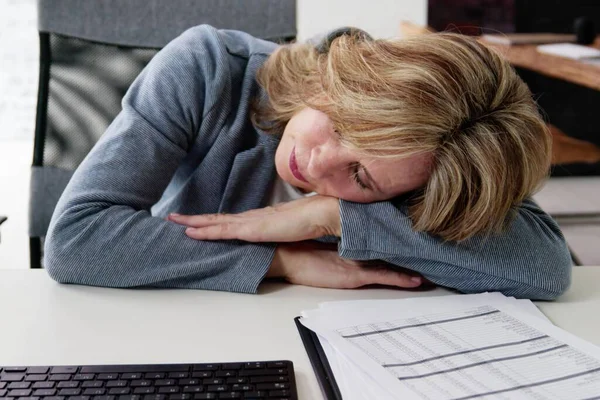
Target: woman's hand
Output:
[
  {"x": 302, "y": 219},
  {"x": 317, "y": 264}
]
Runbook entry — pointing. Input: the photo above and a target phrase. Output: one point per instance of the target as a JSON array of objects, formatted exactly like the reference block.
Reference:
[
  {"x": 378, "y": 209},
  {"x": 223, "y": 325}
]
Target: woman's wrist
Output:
[{"x": 335, "y": 218}]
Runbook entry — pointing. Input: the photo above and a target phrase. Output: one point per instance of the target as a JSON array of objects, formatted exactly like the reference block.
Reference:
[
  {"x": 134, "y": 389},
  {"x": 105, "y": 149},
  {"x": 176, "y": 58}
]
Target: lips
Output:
[{"x": 294, "y": 167}]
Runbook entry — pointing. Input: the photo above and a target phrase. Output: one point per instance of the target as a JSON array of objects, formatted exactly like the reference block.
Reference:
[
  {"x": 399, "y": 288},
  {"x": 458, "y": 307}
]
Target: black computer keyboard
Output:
[{"x": 244, "y": 380}]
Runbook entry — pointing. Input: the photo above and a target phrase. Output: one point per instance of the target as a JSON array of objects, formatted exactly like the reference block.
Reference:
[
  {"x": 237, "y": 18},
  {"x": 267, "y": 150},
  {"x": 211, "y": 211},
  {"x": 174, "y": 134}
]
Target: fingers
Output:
[
  {"x": 198, "y": 221},
  {"x": 213, "y": 232},
  {"x": 389, "y": 277}
]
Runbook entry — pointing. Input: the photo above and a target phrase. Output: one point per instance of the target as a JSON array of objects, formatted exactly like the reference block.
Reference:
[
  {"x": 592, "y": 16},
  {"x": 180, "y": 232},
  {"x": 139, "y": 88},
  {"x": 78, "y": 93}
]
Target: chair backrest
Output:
[{"x": 90, "y": 53}]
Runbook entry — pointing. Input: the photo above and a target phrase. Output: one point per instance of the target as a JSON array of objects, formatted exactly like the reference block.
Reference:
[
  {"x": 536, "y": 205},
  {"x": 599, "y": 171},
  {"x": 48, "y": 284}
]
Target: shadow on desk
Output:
[{"x": 276, "y": 285}]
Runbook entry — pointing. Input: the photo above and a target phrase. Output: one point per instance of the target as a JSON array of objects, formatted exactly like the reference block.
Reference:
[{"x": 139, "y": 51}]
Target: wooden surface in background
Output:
[
  {"x": 565, "y": 149},
  {"x": 574, "y": 71}
]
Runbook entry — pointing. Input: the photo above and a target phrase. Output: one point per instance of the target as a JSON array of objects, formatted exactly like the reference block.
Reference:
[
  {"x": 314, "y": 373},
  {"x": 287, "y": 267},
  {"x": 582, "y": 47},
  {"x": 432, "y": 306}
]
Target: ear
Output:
[{"x": 323, "y": 46}]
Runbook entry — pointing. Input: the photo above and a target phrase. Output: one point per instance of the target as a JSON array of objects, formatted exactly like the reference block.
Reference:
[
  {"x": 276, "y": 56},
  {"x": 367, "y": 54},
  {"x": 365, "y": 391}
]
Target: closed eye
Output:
[{"x": 355, "y": 168}]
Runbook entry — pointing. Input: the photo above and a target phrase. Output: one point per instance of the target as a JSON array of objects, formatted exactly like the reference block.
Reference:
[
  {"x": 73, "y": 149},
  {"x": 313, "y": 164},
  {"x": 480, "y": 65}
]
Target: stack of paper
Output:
[
  {"x": 570, "y": 50},
  {"x": 484, "y": 346}
]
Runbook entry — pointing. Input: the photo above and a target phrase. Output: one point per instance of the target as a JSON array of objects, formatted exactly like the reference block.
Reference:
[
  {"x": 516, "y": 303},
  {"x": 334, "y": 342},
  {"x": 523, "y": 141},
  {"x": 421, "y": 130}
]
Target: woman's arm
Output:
[
  {"x": 102, "y": 232},
  {"x": 529, "y": 260}
]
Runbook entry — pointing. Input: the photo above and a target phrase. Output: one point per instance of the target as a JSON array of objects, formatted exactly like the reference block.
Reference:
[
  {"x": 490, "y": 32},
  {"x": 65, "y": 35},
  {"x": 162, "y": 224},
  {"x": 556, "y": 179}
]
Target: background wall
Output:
[{"x": 380, "y": 18}]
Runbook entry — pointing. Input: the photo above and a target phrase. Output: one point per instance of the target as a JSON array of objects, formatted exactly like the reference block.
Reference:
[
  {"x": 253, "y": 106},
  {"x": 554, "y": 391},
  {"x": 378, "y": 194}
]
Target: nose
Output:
[{"x": 327, "y": 159}]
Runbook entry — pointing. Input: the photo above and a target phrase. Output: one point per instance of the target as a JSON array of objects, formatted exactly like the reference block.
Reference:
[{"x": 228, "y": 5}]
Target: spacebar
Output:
[{"x": 105, "y": 369}]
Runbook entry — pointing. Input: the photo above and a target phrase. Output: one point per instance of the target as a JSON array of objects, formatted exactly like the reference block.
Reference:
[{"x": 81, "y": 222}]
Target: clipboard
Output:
[{"x": 319, "y": 362}]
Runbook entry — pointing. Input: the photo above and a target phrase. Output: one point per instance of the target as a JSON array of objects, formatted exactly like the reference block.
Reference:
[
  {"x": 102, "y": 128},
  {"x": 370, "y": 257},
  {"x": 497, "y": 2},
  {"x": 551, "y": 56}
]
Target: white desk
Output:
[{"x": 44, "y": 323}]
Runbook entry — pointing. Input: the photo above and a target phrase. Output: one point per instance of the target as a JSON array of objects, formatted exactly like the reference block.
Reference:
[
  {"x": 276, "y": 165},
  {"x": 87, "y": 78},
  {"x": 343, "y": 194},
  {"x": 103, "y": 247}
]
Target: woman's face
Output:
[{"x": 311, "y": 157}]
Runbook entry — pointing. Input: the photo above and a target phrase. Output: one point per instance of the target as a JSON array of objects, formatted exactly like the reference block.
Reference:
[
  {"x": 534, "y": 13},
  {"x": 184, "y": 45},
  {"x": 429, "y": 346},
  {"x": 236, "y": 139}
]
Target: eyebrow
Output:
[{"x": 371, "y": 179}]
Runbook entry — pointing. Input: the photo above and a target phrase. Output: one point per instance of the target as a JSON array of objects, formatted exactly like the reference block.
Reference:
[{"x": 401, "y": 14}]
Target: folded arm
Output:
[
  {"x": 102, "y": 232},
  {"x": 529, "y": 260}
]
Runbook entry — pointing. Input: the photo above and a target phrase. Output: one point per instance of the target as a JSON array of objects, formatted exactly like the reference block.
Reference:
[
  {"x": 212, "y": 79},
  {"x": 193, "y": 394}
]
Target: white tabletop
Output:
[{"x": 44, "y": 323}]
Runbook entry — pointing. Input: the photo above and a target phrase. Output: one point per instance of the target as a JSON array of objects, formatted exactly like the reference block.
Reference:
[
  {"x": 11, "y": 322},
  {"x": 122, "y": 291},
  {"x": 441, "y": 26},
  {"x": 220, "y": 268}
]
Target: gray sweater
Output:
[{"x": 184, "y": 143}]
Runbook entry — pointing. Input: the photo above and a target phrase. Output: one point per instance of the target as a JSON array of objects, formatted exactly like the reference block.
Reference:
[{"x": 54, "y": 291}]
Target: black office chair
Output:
[{"x": 90, "y": 53}]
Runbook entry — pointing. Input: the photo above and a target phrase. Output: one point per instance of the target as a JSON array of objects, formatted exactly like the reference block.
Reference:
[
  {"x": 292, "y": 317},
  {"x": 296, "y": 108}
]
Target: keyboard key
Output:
[
  {"x": 206, "y": 367},
  {"x": 94, "y": 392},
  {"x": 277, "y": 364},
  {"x": 242, "y": 388},
  {"x": 168, "y": 389},
  {"x": 144, "y": 390},
  {"x": 64, "y": 370},
  {"x": 230, "y": 395},
  {"x": 165, "y": 382},
  {"x": 237, "y": 380},
  {"x": 234, "y": 366},
  {"x": 212, "y": 381},
  {"x": 205, "y": 396},
  {"x": 279, "y": 393},
  {"x": 119, "y": 390},
  {"x": 68, "y": 385},
  {"x": 69, "y": 392},
  {"x": 59, "y": 377},
  {"x": 155, "y": 397},
  {"x": 3, "y": 385},
  {"x": 3, "y": 393},
  {"x": 129, "y": 397},
  {"x": 217, "y": 388},
  {"x": 84, "y": 377},
  {"x": 141, "y": 382},
  {"x": 92, "y": 384},
  {"x": 11, "y": 377},
  {"x": 36, "y": 377},
  {"x": 255, "y": 365},
  {"x": 113, "y": 384},
  {"x": 15, "y": 369},
  {"x": 256, "y": 395},
  {"x": 178, "y": 375},
  {"x": 189, "y": 382},
  {"x": 264, "y": 379},
  {"x": 108, "y": 376},
  {"x": 180, "y": 396},
  {"x": 19, "y": 385},
  {"x": 193, "y": 389},
  {"x": 38, "y": 370},
  {"x": 263, "y": 372},
  {"x": 132, "y": 375},
  {"x": 44, "y": 392},
  {"x": 43, "y": 385},
  {"x": 19, "y": 392},
  {"x": 225, "y": 374},
  {"x": 272, "y": 386},
  {"x": 202, "y": 374},
  {"x": 155, "y": 375}
]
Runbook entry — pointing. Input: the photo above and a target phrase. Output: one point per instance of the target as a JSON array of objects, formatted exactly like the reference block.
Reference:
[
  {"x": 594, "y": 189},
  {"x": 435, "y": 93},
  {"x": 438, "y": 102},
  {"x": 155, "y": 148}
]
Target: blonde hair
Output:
[{"x": 442, "y": 94}]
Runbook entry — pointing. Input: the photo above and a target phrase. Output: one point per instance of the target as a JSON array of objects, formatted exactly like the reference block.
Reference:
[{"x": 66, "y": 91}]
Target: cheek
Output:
[
  {"x": 282, "y": 160},
  {"x": 346, "y": 190}
]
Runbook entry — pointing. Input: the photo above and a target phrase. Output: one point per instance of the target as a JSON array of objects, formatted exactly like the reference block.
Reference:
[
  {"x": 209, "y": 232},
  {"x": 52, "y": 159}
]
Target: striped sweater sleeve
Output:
[
  {"x": 102, "y": 232},
  {"x": 529, "y": 260}
]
